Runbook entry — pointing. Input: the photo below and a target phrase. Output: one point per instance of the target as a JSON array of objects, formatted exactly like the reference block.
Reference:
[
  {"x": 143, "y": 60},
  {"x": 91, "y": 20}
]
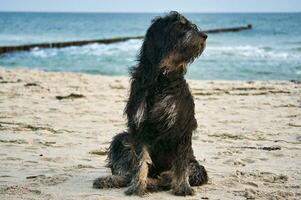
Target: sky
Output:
[{"x": 151, "y": 5}]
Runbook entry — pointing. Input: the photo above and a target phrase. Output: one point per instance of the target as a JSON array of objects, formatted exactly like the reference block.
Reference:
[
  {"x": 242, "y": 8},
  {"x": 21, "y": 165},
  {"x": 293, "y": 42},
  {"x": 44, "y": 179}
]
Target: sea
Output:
[{"x": 270, "y": 51}]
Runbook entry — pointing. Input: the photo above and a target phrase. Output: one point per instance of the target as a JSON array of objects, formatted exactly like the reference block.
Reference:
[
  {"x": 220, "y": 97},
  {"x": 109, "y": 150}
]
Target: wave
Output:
[
  {"x": 256, "y": 52},
  {"x": 130, "y": 46},
  {"x": 297, "y": 49}
]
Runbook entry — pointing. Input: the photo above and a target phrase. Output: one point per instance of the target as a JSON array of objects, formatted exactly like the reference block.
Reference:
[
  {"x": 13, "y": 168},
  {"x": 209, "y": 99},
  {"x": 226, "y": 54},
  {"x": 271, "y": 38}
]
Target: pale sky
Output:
[{"x": 151, "y": 5}]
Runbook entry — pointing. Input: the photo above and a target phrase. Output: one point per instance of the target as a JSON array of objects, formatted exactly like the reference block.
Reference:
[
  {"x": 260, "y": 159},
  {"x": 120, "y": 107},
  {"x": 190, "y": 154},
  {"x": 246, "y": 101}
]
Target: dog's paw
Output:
[
  {"x": 99, "y": 183},
  {"x": 198, "y": 176},
  {"x": 139, "y": 190},
  {"x": 183, "y": 190},
  {"x": 203, "y": 176}
]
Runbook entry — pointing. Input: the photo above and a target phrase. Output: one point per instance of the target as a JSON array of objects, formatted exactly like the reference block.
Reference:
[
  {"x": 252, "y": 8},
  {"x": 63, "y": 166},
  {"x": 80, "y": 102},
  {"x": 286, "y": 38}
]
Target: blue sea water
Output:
[{"x": 270, "y": 51}]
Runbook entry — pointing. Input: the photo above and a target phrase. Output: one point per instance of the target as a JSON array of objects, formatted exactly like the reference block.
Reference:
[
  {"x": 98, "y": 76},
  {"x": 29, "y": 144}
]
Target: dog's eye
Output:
[{"x": 182, "y": 34}]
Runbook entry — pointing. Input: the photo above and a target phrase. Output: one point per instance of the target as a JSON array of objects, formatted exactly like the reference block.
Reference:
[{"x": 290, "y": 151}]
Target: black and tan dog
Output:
[{"x": 156, "y": 153}]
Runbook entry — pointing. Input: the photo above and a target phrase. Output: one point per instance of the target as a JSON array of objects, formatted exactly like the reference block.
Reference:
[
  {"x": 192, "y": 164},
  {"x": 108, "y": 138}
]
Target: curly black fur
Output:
[{"x": 156, "y": 153}]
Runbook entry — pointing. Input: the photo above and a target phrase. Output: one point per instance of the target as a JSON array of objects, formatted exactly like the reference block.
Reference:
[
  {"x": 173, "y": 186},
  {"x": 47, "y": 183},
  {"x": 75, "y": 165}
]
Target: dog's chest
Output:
[{"x": 173, "y": 109}]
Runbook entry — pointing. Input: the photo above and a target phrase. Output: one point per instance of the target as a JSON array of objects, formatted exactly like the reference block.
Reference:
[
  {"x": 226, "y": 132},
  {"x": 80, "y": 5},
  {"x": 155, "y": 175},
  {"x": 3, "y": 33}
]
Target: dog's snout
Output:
[{"x": 203, "y": 35}]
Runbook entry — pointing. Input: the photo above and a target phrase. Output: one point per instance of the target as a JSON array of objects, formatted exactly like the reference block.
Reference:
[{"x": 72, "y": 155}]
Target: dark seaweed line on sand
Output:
[{"x": 31, "y": 127}]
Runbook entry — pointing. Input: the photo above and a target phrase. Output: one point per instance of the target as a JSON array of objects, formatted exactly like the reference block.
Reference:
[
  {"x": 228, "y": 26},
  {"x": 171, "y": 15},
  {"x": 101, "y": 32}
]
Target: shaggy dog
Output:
[{"x": 156, "y": 153}]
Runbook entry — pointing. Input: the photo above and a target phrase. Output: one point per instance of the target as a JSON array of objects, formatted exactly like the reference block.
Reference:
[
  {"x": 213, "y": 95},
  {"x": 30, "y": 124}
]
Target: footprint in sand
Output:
[
  {"x": 47, "y": 180},
  {"x": 229, "y": 152},
  {"x": 248, "y": 160},
  {"x": 236, "y": 162},
  {"x": 18, "y": 190},
  {"x": 267, "y": 177}
]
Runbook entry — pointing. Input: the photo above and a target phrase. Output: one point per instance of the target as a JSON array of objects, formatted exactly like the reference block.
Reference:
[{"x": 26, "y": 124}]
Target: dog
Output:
[{"x": 155, "y": 153}]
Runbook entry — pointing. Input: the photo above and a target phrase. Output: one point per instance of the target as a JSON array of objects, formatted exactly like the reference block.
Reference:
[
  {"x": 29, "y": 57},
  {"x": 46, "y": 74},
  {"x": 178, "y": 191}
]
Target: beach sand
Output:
[{"x": 51, "y": 147}]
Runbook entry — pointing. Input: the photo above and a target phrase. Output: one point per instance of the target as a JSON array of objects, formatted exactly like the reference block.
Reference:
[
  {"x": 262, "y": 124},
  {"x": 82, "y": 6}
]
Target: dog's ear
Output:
[
  {"x": 141, "y": 112},
  {"x": 149, "y": 59},
  {"x": 136, "y": 107},
  {"x": 153, "y": 43}
]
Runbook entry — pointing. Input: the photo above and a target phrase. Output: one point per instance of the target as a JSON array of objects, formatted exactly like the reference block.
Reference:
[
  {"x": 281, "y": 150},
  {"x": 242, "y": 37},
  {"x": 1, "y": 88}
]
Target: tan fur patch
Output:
[
  {"x": 143, "y": 166},
  {"x": 139, "y": 117},
  {"x": 168, "y": 64},
  {"x": 180, "y": 179}
]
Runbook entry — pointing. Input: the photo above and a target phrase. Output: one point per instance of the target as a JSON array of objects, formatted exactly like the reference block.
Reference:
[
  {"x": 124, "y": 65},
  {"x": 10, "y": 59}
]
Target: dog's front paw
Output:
[
  {"x": 183, "y": 190},
  {"x": 139, "y": 190}
]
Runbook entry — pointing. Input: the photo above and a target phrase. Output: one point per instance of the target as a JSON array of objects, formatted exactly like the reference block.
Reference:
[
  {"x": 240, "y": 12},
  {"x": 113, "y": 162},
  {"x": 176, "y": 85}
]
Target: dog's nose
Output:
[{"x": 203, "y": 35}]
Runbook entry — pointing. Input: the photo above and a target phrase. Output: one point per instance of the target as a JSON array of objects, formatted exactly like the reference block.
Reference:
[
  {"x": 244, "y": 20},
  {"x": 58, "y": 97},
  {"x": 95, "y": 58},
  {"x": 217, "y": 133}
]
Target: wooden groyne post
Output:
[
  {"x": 235, "y": 29},
  {"x": 28, "y": 47}
]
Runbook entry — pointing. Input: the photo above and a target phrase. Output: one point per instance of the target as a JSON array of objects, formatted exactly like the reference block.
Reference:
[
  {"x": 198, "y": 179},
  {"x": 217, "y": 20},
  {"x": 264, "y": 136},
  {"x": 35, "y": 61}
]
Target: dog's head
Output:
[{"x": 172, "y": 42}]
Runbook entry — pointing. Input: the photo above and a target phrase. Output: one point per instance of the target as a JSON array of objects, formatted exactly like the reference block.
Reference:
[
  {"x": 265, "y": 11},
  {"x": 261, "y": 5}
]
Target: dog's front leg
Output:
[
  {"x": 180, "y": 182},
  {"x": 139, "y": 181}
]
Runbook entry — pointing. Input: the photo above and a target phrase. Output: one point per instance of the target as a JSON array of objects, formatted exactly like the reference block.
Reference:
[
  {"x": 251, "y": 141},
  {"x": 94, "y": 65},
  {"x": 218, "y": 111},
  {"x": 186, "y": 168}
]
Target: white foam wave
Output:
[
  {"x": 43, "y": 53},
  {"x": 249, "y": 51},
  {"x": 130, "y": 46},
  {"x": 109, "y": 49}
]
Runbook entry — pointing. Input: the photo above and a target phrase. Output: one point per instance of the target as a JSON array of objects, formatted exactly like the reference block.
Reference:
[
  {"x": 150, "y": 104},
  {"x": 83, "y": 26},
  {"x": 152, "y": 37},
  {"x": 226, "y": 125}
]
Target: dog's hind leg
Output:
[
  {"x": 120, "y": 159},
  {"x": 140, "y": 179},
  {"x": 112, "y": 181},
  {"x": 121, "y": 156},
  {"x": 197, "y": 174}
]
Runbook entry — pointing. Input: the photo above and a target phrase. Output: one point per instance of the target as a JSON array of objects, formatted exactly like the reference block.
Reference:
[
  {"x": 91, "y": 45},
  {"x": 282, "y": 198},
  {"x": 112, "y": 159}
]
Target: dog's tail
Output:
[{"x": 113, "y": 181}]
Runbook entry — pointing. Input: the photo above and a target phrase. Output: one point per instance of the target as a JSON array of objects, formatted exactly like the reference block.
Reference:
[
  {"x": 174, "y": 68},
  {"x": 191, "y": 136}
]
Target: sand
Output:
[{"x": 55, "y": 128}]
